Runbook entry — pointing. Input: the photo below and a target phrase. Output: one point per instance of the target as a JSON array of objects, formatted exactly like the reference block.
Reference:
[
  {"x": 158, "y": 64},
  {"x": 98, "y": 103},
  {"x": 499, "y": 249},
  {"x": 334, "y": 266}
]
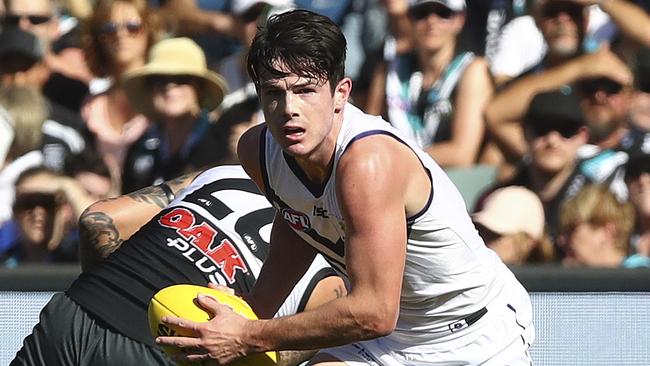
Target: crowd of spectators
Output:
[{"x": 103, "y": 97}]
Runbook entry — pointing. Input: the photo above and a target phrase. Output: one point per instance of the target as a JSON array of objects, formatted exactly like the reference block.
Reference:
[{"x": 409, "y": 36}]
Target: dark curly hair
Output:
[{"x": 307, "y": 44}]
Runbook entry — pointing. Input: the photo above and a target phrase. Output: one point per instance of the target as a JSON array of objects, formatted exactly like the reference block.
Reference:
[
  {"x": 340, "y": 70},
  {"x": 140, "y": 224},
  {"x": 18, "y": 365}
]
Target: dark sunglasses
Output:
[
  {"x": 423, "y": 11},
  {"x": 13, "y": 20},
  {"x": 112, "y": 28},
  {"x": 162, "y": 80},
  {"x": 592, "y": 86},
  {"x": 28, "y": 201},
  {"x": 553, "y": 9},
  {"x": 565, "y": 129}
]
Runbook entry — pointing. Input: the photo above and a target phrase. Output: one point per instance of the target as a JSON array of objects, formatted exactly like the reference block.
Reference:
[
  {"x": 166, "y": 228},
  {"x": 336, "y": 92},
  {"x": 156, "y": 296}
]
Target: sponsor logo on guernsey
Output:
[
  {"x": 296, "y": 219},
  {"x": 219, "y": 257}
]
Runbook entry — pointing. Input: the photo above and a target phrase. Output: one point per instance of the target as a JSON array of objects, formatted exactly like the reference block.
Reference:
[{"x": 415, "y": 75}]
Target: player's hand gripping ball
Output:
[{"x": 180, "y": 301}]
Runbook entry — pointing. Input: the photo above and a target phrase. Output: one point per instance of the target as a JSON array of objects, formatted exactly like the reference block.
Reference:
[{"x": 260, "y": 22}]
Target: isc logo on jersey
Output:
[
  {"x": 219, "y": 255},
  {"x": 296, "y": 219}
]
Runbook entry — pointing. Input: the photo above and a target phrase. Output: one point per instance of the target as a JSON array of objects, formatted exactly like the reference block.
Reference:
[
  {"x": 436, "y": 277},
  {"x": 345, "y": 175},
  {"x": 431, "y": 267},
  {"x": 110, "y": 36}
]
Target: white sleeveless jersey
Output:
[
  {"x": 234, "y": 206},
  {"x": 449, "y": 272}
]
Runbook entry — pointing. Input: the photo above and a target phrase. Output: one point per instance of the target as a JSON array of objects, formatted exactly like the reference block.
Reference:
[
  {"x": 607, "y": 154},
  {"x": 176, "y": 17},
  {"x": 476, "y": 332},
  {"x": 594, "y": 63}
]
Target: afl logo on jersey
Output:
[{"x": 296, "y": 219}]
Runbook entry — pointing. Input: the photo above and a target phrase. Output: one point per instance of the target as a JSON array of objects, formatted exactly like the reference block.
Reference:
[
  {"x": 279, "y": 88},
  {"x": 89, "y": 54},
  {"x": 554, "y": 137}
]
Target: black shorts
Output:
[{"x": 67, "y": 335}]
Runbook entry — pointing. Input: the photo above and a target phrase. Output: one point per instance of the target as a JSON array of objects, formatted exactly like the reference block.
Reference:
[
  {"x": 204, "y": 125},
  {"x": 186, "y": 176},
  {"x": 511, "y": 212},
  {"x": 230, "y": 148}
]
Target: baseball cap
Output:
[
  {"x": 455, "y": 5},
  {"x": 17, "y": 41},
  {"x": 511, "y": 210},
  {"x": 557, "y": 110}
]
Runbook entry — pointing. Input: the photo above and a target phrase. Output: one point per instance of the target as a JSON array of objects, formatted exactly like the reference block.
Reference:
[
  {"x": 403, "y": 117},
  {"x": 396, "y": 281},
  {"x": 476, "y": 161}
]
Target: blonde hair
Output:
[
  {"x": 96, "y": 56},
  {"x": 598, "y": 206},
  {"x": 28, "y": 110}
]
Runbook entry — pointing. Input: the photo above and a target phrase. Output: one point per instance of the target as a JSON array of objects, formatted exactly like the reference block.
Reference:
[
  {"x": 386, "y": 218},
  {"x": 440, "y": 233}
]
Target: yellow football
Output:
[{"x": 180, "y": 301}]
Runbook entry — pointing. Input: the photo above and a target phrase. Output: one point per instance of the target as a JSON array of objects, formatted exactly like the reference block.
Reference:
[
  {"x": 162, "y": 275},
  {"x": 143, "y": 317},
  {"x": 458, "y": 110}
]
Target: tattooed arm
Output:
[{"x": 106, "y": 224}]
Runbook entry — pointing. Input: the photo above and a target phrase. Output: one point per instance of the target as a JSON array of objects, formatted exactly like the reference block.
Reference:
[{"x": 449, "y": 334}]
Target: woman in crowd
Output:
[
  {"x": 177, "y": 92},
  {"x": 117, "y": 38}
]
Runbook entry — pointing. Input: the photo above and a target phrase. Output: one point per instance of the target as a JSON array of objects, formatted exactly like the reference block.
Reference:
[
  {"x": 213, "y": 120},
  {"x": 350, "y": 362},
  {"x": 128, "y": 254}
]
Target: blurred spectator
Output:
[
  {"x": 554, "y": 130},
  {"x": 34, "y": 142},
  {"x": 62, "y": 56},
  {"x": 89, "y": 170},
  {"x": 248, "y": 15},
  {"x": 208, "y": 22},
  {"x": 46, "y": 209},
  {"x": 485, "y": 21},
  {"x": 176, "y": 91},
  {"x": 637, "y": 177},
  {"x": 231, "y": 125},
  {"x": 595, "y": 228},
  {"x": 505, "y": 111},
  {"x": 22, "y": 66},
  {"x": 435, "y": 95},
  {"x": 529, "y": 39},
  {"x": 118, "y": 36},
  {"x": 512, "y": 224}
]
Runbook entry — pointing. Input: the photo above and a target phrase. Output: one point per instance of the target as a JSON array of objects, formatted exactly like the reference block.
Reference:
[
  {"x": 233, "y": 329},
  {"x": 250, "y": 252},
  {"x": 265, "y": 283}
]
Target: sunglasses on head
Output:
[
  {"x": 608, "y": 86},
  {"x": 423, "y": 11},
  {"x": 543, "y": 128},
  {"x": 555, "y": 8},
  {"x": 111, "y": 28},
  {"x": 28, "y": 201},
  {"x": 14, "y": 19}
]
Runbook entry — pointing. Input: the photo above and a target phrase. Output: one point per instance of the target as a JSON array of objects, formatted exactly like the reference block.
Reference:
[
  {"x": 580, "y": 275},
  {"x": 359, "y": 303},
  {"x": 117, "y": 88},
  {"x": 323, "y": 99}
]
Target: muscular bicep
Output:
[{"x": 373, "y": 193}]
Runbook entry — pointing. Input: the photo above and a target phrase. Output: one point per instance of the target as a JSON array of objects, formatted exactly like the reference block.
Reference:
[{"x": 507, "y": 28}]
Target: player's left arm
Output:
[{"x": 106, "y": 224}]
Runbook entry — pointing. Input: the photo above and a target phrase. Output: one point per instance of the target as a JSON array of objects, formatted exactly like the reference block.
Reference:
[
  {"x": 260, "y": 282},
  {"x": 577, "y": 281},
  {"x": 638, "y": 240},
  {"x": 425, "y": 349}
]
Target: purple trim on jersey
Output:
[
  {"x": 320, "y": 275},
  {"x": 409, "y": 220},
  {"x": 315, "y": 189}
]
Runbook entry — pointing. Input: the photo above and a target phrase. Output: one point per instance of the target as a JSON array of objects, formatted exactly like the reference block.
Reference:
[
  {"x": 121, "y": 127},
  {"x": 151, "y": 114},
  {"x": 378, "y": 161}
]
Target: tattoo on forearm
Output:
[
  {"x": 97, "y": 230},
  {"x": 152, "y": 195},
  {"x": 156, "y": 196}
]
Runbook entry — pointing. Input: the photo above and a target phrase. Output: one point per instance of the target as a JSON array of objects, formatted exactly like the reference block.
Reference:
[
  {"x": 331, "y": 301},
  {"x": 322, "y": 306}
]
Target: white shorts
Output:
[{"x": 491, "y": 348}]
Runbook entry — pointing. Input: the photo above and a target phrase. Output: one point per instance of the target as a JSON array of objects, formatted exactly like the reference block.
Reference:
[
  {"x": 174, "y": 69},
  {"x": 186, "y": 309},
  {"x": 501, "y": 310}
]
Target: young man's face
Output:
[
  {"x": 300, "y": 113},
  {"x": 36, "y": 16}
]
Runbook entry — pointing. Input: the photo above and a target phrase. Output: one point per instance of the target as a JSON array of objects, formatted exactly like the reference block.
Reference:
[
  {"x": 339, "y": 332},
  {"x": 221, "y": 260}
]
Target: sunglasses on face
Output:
[
  {"x": 543, "y": 128},
  {"x": 554, "y": 9},
  {"x": 29, "y": 201},
  {"x": 608, "y": 86},
  {"x": 162, "y": 80},
  {"x": 112, "y": 28},
  {"x": 13, "y": 20},
  {"x": 424, "y": 11}
]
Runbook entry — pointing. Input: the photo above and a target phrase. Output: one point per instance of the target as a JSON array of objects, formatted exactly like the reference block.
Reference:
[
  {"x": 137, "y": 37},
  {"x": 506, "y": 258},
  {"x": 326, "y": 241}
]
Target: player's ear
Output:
[{"x": 342, "y": 93}]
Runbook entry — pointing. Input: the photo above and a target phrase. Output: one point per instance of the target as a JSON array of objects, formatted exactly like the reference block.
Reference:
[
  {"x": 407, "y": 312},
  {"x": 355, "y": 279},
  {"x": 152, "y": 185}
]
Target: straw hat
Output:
[{"x": 175, "y": 56}]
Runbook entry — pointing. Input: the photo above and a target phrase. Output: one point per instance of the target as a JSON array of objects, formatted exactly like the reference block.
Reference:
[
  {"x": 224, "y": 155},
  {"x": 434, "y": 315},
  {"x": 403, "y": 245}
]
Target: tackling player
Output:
[{"x": 214, "y": 231}]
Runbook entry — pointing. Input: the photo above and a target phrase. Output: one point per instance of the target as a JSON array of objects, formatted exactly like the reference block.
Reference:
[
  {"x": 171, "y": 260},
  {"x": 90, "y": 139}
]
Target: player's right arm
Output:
[{"x": 106, "y": 224}]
